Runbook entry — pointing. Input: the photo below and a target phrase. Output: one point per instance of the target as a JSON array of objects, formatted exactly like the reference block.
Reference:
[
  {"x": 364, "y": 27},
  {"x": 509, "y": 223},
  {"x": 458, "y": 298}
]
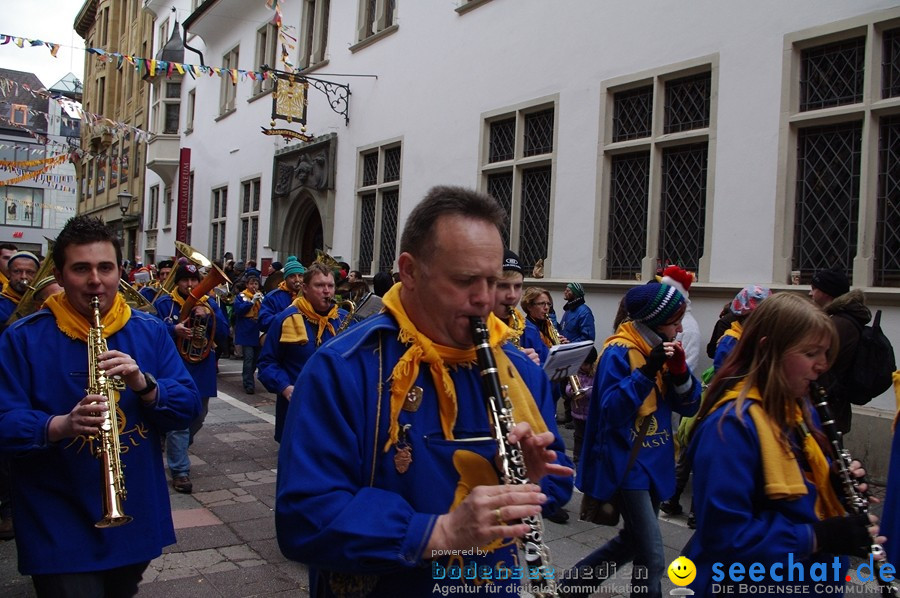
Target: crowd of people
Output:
[{"x": 391, "y": 410}]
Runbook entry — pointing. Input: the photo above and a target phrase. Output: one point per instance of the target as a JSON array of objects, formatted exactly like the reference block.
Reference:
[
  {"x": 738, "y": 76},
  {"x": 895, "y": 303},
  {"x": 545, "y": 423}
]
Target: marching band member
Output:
[
  {"x": 295, "y": 334},
  {"x": 282, "y": 296},
  {"x": 46, "y": 423},
  {"x": 202, "y": 368},
  {"x": 246, "y": 330}
]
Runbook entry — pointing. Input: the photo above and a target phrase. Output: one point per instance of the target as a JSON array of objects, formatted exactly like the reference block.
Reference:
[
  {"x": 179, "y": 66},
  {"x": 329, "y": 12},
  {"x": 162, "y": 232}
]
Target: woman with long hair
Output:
[{"x": 763, "y": 485}]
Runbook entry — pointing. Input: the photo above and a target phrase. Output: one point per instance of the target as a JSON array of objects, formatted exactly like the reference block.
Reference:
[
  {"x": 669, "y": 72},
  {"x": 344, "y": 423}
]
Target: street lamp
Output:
[{"x": 125, "y": 198}]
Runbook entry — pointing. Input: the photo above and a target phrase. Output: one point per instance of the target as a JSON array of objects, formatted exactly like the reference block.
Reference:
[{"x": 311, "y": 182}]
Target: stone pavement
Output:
[{"x": 225, "y": 530}]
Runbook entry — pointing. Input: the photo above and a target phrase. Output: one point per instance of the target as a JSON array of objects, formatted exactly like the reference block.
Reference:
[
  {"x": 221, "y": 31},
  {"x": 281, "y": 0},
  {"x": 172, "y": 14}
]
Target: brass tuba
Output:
[{"x": 203, "y": 325}]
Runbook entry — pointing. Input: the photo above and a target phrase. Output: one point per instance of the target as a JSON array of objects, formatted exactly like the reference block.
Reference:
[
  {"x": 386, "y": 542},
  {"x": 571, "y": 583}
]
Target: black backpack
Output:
[{"x": 873, "y": 365}]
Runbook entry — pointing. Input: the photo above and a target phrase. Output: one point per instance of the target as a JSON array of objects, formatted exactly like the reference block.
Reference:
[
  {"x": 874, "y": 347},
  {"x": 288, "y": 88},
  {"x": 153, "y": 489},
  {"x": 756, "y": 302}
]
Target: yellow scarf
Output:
[
  {"x": 10, "y": 293},
  {"x": 293, "y": 329},
  {"x": 781, "y": 473},
  {"x": 75, "y": 326},
  {"x": 736, "y": 330},
  {"x": 628, "y": 336},
  {"x": 254, "y": 309},
  {"x": 439, "y": 358}
]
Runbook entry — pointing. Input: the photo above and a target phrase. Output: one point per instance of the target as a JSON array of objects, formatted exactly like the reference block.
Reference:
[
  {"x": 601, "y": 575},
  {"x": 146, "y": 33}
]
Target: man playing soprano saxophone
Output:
[
  {"x": 47, "y": 424},
  {"x": 386, "y": 473}
]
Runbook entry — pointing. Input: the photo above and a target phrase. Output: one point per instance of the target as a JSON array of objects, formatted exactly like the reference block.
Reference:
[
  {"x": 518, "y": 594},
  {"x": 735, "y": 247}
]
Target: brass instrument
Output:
[
  {"x": 539, "y": 577},
  {"x": 197, "y": 258},
  {"x": 351, "y": 309},
  {"x": 196, "y": 348},
  {"x": 857, "y": 501},
  {"x": 27, "y": 304},
  {"x": 577, "y": 390},
  {"x": 109, "y": 450},
  {"x": 134, "y": 299}
]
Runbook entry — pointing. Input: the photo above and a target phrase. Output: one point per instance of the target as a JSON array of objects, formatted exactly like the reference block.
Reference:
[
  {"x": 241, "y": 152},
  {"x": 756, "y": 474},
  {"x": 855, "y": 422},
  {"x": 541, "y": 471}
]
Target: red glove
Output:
[{"x": 677, "y": 363}]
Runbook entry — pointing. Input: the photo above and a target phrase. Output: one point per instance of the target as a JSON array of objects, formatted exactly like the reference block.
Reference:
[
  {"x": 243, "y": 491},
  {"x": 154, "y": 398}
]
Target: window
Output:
[
  {"x": 378, "y": 194},
  {"x": 517, "y": 170},
  {"x": 153, "y": 208},
  {"x": 23, "y": 206},
  {"x": 168, "y": 206},
  {"x": 842, "y": 159},
  {"x": 656, "y": 157},
  {"x": 249, "y": 220},
  {"x": 314, "y": 28},
  {"x": 191, "y": 106},
  {"x": 266, "y": 46},
  {"x": 229, "y": 88},
  {"x": 166, "y": 107},
  {"x": 217, "y": 236},
  {"x": 375, "y": 16}
]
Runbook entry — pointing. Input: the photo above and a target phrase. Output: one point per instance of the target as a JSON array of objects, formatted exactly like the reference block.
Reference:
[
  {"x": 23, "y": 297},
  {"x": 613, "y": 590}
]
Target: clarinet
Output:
[
  {"x": 857, "y": 500},
  {"x": 540, "y": 577}
]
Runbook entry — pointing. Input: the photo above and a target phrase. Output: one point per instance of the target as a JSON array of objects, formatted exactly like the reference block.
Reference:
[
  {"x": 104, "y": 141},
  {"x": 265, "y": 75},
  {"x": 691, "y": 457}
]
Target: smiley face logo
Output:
[{"x": 682, "y": 571}]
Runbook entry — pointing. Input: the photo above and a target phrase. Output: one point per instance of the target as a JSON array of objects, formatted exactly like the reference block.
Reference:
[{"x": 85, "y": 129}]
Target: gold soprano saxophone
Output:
[
  {"x": 109, "y": 450},
  {"x": 540, "y": 577}
]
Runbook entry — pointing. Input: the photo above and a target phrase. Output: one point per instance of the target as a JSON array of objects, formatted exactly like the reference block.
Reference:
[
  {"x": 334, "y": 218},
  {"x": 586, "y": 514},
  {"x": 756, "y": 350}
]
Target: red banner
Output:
[{"x": 184, "y": 194}]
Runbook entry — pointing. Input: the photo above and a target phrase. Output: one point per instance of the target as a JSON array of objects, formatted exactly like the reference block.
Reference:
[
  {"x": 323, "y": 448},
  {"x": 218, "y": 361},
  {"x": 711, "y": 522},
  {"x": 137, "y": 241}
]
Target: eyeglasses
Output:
[{"x": 543, "y": 304}]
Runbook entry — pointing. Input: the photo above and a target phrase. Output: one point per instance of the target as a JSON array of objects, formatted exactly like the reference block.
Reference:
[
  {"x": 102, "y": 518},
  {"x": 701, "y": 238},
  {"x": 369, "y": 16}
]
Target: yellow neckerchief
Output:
[
  {"x": 283, "y": 286},
  {"x": 439, "y": 358},
  {"x": 254, "y": 309},
  {"x": 10, "y": 293},
  {"x": 179, "y": 300},
  {"x": 628, "y": 336},
  {"x": 75, "y": 326},
  {"x": 782, "y": 474},
  {"x": 293, "y": 329},
  {"x": 736, "y": 330}
]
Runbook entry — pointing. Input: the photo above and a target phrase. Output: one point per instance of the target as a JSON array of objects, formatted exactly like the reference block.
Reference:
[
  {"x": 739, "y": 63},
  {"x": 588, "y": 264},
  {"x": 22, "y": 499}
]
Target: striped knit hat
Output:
[{"x": 653, "y": 303}]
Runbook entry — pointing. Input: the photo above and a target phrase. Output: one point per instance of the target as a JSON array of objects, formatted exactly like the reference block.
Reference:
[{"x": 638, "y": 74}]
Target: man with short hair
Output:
[
  {"x": 295, "y": 334},
  {"x": 6, "y": 252},
  {"x": 280, "y": 297},
  {"x": 830, "y": 290},
  {"x": 22, "y": 267},
  {"x": 202, "y": 368},
  {"x": 387, "y": 471},
  {"x": 51, "y": 426}
]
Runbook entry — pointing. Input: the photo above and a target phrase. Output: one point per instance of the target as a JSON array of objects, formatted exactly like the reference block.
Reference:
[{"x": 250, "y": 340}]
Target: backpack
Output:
[{"x": 874, "y": 363}]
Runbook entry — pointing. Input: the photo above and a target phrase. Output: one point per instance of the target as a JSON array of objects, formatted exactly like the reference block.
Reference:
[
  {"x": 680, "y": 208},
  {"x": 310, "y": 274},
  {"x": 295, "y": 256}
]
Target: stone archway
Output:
[{"x": 303, "y": 199}]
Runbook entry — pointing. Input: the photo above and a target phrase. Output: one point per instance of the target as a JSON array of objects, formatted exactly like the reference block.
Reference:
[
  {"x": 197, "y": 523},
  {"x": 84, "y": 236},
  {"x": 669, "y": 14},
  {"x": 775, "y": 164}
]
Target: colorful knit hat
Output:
[
  {"x": 576, "y": 289},
  {"x": 511, "y": 262},
  {"x": 831, "y": 282},
  {"x": 678, "y": 277},
  {"x": 653, "y": 303},
  {"x": 292, "y": 266},
  {"x": 748, "y": 299}
]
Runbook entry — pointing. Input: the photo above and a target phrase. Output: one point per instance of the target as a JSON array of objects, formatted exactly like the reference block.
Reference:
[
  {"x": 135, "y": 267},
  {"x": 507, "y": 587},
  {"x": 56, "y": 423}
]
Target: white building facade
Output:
[{"x": 744, "y": 141}]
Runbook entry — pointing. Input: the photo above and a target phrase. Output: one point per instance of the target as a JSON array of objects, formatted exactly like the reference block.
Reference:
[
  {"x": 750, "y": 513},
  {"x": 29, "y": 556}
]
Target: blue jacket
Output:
[
  {"x": 612, "y": 425},
  {"x": 246, "y": 329},
  {"x": 342, "y": 504},
  {"x": 273, "y": 304},
  {"x": 280, "y": 363},
  {"x": 57, "y": 491},
  {"x": 736, "y": 521},
  {"x": 578, "y": 322},
  {"x": 204, "y": 372}
]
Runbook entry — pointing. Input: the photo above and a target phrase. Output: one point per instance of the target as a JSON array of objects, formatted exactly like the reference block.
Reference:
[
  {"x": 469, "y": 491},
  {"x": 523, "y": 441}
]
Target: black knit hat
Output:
[
  {"x": 831, "y": 282},
  {"x": 653, "y": 303}
]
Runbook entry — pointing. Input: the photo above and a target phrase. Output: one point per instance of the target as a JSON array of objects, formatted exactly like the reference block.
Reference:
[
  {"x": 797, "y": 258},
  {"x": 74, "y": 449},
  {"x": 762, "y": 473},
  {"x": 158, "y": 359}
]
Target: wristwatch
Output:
[{"x": 151, "y": 385}]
